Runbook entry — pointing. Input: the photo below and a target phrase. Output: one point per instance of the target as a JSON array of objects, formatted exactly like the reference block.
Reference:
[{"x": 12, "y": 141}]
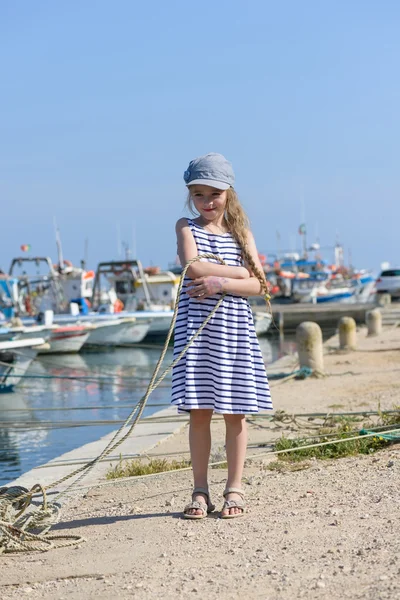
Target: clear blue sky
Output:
[{"x": 103, "y": 104}]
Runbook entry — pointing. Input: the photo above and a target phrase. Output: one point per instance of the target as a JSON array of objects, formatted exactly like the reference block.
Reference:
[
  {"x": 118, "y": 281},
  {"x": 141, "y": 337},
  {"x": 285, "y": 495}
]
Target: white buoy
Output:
[
  {"x": 309, "y": 346},
  {"x": 347, "y": 333},
  {"x": 374, "y": 321}
]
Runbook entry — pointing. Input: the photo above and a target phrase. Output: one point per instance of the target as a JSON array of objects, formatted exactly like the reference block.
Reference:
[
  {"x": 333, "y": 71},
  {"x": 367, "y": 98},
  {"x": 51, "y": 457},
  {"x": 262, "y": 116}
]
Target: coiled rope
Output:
[{"x": 21, "y": 531}]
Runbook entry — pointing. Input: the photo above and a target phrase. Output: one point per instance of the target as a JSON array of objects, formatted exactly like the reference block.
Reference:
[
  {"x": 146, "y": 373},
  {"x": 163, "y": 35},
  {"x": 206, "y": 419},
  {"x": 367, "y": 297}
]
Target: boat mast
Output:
[
  {"x": 59, "y": 247},
  {"x": 278, "y": 244},
  {"x": 119, "y": 252},
  {"x": 85, "y": 260},
  {"x": 303, "y": 228}
]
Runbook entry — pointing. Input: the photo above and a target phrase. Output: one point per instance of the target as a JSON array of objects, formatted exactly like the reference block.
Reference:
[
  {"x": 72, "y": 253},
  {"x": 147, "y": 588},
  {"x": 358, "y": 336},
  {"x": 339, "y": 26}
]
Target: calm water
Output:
[{"x": 31, "y": 436}]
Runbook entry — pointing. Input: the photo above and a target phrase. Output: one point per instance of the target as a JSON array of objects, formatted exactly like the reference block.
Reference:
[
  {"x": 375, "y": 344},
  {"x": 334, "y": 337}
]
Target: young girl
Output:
[{"x": 223, "y": 370}]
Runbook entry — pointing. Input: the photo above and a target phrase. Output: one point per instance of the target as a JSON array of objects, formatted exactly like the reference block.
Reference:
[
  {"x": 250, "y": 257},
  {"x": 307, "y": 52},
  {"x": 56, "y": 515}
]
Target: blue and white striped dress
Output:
[{"x": 223, "y": 369}]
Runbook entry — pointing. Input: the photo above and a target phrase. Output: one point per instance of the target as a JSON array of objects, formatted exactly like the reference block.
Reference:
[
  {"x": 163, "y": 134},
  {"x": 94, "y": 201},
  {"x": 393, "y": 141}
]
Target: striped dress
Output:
[{"x": 223, "y": 369}]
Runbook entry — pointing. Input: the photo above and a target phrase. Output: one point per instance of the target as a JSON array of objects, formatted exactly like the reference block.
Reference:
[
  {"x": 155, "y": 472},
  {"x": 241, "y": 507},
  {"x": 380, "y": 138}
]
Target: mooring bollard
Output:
[
  {"x": 374, "y": 321},
  {"x": 384, "y": 300},
  {"x": 309, "y": 346},
  {"x": 347, "y": 333}
]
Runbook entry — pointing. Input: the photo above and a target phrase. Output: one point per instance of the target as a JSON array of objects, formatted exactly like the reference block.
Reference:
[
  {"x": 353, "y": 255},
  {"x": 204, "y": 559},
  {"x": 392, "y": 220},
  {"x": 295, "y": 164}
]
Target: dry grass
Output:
[{"x": 148, "y": 466}]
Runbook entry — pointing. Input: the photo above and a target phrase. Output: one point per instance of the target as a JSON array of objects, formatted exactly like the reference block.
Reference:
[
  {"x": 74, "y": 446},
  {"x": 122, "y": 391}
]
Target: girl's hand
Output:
[{"x": 205, "y": 286}]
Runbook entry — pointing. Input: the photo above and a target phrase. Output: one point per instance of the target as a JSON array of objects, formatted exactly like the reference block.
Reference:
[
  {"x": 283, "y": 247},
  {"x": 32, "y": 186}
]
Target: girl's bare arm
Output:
[
  {"x": 208, "y": 286},
  {"x": 187, "y": 249}
]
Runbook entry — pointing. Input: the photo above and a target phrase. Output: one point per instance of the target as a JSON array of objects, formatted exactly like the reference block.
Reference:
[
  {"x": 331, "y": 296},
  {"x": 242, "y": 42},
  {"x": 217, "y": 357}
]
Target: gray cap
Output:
[{"x": 211, "y": 169}]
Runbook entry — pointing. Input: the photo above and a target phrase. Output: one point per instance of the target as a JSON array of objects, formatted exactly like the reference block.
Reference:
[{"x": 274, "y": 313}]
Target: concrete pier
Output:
[{"x": 289, "y": 316}]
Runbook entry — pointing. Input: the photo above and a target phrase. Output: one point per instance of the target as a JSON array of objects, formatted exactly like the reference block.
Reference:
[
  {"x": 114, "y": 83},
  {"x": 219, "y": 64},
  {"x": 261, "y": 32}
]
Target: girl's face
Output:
[{"x": 208, "y": 201}]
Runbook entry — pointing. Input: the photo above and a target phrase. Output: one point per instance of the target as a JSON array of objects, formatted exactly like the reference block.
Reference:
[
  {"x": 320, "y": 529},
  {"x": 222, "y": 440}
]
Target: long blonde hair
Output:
[{"x": 238, "y": 224}]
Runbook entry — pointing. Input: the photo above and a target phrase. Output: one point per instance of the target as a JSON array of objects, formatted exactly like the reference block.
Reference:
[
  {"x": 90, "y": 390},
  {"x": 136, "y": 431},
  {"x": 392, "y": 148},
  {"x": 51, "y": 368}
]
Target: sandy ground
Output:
[{"x": 328, "y": 531}]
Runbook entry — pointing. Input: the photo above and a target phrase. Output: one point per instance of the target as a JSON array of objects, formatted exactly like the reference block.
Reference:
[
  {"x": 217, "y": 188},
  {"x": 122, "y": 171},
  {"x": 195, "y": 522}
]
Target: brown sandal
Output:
[
  {"x": 196, "y": 504},
  {"x": 241, "y": 504}
]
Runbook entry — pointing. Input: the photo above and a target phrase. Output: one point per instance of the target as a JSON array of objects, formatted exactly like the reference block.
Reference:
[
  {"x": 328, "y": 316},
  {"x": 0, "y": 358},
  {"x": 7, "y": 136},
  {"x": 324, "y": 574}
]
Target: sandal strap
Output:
[
  {"x": 197, "y": 505},
  {"x": 233, "y": 490},
  {"x": 205, "y": 507},
  {"x": 234, "y": 504}
]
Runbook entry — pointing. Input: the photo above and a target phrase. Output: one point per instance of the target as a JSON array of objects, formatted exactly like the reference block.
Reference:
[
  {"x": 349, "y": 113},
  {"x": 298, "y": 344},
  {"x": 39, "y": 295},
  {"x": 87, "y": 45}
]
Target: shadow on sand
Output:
[{"x": 118, "y": 518}]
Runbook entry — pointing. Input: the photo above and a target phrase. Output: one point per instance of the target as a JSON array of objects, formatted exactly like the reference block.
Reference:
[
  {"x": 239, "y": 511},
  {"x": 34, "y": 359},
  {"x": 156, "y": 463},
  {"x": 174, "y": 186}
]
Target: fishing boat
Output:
[
  {"x": 67, "y": 339},
  {"x": 61, "y": 339},
  {"x": 321, "y": 288},
  {"x": 96, "y": 329},
  {"x": 108, "y": 329},
  {"x": 117, "y": 331},
  {"x": 11, "y": 332},
  {"x": 130, "y": 290},
  {"x": 64, "y": 293},
  {"x": 138, "y": 287},
  {"x": 301, "y": 279},
  {"x": 15, "y": 359}
]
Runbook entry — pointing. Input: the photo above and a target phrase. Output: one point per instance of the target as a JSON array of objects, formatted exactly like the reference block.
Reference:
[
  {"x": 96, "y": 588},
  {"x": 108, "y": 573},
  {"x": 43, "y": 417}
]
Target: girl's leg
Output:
[
  {"x": 236, "y": 445},
  {"x": 200, "y": 446}
]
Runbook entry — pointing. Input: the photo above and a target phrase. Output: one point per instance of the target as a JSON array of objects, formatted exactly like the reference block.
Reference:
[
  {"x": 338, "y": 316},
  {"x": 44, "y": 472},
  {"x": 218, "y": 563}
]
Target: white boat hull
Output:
[
  {"x": 160, "y": 320},
  {"x": 134, "y": 334},
  {"x": 114, "y": 333},
  {"x": 15, "y": 359},
  {"x": 109, "y": 330},
  {"x": 160, "y": 325},
  {"x": 104, "y": 334},
  {"x": 63, "y": 342},
  {"x": 27, "y": 333}
]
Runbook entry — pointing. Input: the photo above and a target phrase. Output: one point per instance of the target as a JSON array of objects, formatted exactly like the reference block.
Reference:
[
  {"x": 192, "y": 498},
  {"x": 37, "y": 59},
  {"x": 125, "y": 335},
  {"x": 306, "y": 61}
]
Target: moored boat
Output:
[
  {"x": 67, "y": 339},
  {"x": 15, "y": 359},
  {"x": 102, "y": 329},
  {"x": 62, "y": 339},
  {"x": 22, "y": 332},
  {"x": 135, "y": 333},
  {"x": 115, "y": 332},
  {"x": 160, "y": 321},
  {"x": 320, "y": 288}
]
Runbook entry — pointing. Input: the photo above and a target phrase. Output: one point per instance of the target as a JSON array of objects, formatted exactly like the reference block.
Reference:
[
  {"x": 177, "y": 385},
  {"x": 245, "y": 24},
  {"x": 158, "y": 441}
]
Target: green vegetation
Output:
[
  {"x": 361, "y": 445},
  {"x": 133, "y": 468},
  {"x": 337, "y": 427},
  {"x": 294, "y": 453},
  {"x": 390, "y": 418}
]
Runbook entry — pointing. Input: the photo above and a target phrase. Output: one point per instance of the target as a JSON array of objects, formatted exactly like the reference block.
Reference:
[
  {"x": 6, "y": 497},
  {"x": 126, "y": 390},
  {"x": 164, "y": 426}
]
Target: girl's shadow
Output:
[{"x": 109, "y": 520}]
